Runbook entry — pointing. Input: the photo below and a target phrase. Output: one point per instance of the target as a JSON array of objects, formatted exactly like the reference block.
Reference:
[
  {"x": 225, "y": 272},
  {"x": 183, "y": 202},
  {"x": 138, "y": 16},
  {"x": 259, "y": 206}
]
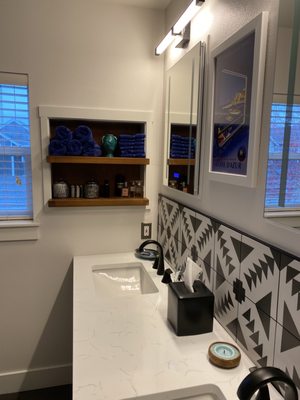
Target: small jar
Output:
[
  {"x": 139, "y": 189},
  {"x": 173, "y": 184},
  {"x": 119, "y": 188},
  {"x": 106, "y": 189},
  {"x": 132, "y": 189},
  {"x": 91, "y": 190},
  {"x": 125, "y": 191}
]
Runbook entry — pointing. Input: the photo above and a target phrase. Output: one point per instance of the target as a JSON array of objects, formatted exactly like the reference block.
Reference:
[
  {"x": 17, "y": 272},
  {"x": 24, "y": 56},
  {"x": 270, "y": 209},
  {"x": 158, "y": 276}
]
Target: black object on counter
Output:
[
  {"x": 258, "y": 379},
  {"x": 158, "y": 260},
  {"x": 167, "y": 276},
  {"x": 190, "y": 313}
]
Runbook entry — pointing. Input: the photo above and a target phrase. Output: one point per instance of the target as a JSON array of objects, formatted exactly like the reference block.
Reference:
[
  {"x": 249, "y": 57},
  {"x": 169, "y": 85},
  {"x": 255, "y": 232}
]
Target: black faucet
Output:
[
  {"x": 258, "y": 379},
  {"x": 159, "y": 260}
]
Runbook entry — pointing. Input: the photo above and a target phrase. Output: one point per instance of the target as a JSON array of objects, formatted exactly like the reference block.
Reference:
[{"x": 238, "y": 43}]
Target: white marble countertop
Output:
[{"x": 124, "y": 347}]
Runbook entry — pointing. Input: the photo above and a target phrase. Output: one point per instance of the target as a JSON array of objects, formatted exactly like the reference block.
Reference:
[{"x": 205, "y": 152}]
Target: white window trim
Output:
[
  {"x": 22, "y": 230},
  {"x": 11, "y": 231}
]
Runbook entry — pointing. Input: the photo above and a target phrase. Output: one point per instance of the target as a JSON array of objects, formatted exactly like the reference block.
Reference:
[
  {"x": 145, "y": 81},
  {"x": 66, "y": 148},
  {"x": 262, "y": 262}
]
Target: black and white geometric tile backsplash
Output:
[{"x": 256, "y": 287}]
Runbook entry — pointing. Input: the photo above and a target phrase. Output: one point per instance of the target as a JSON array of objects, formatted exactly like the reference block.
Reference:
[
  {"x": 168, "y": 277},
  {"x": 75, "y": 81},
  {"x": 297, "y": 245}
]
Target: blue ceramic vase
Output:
[{"x": 109, "y": 142}]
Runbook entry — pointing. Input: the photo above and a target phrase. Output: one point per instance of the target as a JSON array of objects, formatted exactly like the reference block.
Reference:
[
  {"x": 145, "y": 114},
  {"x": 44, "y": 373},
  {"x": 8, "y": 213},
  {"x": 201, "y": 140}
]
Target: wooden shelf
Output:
[
  {"x": 181, "y": 161},
  {"x": 97, "y": 160},
  {"x": 101, "y": 201}
]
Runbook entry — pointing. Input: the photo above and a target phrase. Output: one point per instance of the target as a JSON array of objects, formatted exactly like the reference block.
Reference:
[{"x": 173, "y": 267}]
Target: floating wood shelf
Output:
[
  {"x": 97, "y": 160},
  {"x": 181, "y": 161},
  {"x": 112, "y": 201}
]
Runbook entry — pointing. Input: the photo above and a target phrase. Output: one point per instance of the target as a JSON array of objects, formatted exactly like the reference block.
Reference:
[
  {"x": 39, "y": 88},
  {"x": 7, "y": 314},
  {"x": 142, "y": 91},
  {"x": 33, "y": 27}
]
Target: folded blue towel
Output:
[
  {"x": 57, "y": 148},
  {"x": 83, "y": 134},
  {"x": 139, "y": 141},
  {"x": 139, "y": 135},
  {"x": 74, "y": 148},
  {"x": 181, "y": 146},
  {"x": 63, "y": 133},
  {"x": 124, "y": 136},
  {"x": 131, "y": 147},
  {"x": 132, "y": 154},
  {"x": 181, "y": 155},
  {"x": 91, "y": 149}
]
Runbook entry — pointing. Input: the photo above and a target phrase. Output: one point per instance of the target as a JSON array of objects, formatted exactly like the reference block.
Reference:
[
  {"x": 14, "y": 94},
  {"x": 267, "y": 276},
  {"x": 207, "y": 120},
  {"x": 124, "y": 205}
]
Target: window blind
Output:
[
  {"x": 15, "y": 152},
  {"x": 284, "y": 193}
]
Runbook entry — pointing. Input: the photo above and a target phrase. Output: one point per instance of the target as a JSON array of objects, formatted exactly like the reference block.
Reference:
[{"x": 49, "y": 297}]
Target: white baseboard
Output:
[{"x": 36, "y": 378}]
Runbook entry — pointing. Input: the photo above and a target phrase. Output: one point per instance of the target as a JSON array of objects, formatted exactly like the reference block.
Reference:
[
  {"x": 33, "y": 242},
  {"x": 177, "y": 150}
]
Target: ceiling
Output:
[{"x": 158, "y": 4}]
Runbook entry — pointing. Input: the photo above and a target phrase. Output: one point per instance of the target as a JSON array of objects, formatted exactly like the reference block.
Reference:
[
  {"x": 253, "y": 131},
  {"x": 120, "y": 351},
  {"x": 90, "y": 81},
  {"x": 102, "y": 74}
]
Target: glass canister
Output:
[
  {"x": 91, "y": 190},
  {"x": 60, "y": 190}
]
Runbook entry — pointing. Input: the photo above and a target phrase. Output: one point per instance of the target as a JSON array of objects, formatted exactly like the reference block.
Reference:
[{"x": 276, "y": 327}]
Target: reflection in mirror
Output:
[
  {"x": 184, "y": 82},
  {"x": 282, "y": 199}
]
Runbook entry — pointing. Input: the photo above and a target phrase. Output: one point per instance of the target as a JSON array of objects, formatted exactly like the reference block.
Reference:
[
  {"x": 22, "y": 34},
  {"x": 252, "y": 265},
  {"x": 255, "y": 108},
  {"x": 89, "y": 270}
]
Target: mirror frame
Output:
[{"x": 198, "y": 117}]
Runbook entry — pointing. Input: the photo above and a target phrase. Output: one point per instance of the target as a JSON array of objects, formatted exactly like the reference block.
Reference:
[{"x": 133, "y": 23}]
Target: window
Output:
[
  {"x": 15, "y": 156},
  {"x": 283, "y": 178}
]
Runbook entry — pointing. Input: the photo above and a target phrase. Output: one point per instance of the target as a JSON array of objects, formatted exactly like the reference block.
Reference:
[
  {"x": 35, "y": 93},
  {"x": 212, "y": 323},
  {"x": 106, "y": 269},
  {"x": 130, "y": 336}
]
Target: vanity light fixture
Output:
[
  {"x": 185, "y": 37},
  {"x": 167, "y": 40},
  {"x": 178, "y": 28},
  {"x": 187, "y": 16}
]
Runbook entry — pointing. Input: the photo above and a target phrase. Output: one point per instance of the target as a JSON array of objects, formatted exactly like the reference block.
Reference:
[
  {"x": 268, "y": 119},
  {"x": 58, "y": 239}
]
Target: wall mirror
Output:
[
  {"x": 183, "y": 117},
  {"x": 282, "y": 200}
]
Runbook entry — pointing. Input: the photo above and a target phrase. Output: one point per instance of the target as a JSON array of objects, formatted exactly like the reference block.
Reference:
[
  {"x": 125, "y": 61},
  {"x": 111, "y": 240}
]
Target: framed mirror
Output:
[
  {"x": 183, "y": 117},
  {"x": 282, "y": 199}
]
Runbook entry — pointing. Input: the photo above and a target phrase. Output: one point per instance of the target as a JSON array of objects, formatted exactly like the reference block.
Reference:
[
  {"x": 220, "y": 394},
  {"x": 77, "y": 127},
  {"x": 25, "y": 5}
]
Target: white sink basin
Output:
[
  {"x": 122, "y": 279},
  {"x": 202, "y": 392}
]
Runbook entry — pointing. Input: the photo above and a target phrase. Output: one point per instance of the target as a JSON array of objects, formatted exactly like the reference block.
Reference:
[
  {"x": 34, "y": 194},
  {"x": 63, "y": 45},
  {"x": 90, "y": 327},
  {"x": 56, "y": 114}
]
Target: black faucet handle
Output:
[
  {"x": 259, "y": 378},
  {"x": 156, "y": 262},
  {"x": 167, "y": 276}
]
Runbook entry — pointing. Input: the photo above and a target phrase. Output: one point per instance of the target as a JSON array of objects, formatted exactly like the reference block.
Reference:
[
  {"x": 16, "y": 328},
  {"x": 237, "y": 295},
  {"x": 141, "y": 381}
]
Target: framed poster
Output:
[{"x": 238, "y": 76}]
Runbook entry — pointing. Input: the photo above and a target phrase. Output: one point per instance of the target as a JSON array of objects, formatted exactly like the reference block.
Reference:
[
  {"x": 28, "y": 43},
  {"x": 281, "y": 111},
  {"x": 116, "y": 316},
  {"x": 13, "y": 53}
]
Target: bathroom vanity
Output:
[{"x": 124, "y": 347}]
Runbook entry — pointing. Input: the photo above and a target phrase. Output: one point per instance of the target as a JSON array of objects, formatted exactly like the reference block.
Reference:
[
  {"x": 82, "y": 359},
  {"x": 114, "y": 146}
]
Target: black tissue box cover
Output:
[{"x": 190, "y": 313}]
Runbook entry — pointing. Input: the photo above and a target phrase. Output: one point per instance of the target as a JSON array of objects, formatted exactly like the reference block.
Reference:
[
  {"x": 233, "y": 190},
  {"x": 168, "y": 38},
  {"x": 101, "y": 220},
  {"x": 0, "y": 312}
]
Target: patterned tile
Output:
[
  {"x": 172, "y": 251},
  {"x": 287, "y": 354},
  {"x": 289, "y": 295},
  {"x": 208, "y": 276},
  {"x": 170, "y": 217},
  {"x": 227, "y": 253},
  {"x": 159, "y": 210},
  {"x": 161, "y": 235},
  {"x": 226, "y": 306},
  {"x": 256, "y": 333},
  {"x": 260, "y": 274},
  {"x": 188, "y": 225},
  {"x": 185, "y": 252},
  {"x": 204, "y": 239}
]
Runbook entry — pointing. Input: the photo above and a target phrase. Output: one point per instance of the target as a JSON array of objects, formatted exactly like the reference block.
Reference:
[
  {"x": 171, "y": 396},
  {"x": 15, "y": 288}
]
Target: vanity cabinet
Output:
[{"x": 77, "y": 171}]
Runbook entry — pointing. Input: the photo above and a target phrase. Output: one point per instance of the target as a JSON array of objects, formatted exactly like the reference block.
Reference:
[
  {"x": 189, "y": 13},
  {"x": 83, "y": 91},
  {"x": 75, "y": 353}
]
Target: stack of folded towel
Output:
[
  {"x": 182, "y": 146},
  {"x": 132, "y": 145},
  {"x": 68, "y": 143},
  {"x": 85, "y": 136}
]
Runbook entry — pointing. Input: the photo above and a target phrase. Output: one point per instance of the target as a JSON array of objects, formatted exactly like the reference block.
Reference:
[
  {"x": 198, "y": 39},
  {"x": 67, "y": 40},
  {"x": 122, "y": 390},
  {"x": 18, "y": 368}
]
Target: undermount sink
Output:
[
  {"x": 122, "y": 279},
  {"x": 201, "y": 392}
]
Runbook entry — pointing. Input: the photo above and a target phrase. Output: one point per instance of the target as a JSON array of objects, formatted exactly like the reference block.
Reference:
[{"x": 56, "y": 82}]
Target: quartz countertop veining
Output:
[{"x": 124, "y": 347}]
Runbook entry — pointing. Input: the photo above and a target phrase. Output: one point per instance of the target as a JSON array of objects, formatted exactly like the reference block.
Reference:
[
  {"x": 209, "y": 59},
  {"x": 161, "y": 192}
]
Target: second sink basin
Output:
[
  {"x": 201, "y": 392},
  {"x": 122, "y": 279}
]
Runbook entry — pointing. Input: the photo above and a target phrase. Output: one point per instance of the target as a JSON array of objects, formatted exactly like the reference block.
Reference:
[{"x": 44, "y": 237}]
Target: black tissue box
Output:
[{"x": 190, "y": 313}]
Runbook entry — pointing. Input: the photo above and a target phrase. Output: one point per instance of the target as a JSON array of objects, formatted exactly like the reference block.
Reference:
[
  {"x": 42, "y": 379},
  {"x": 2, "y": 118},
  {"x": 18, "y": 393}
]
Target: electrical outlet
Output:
[{"x": 146, "y": 229}]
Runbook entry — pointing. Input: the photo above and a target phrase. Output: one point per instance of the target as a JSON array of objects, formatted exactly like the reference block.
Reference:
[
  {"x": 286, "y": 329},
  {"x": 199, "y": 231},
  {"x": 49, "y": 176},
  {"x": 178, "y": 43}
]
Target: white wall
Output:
[
  {"x": 78, "y": 53},
  {"x": 238, "y": 206}
]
